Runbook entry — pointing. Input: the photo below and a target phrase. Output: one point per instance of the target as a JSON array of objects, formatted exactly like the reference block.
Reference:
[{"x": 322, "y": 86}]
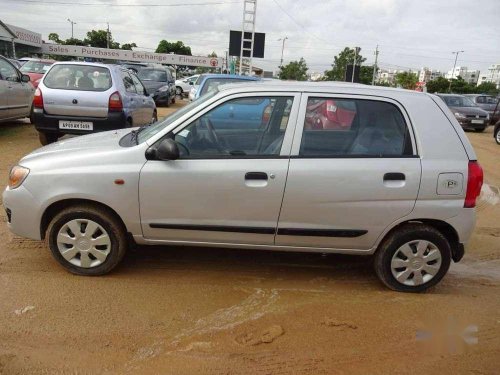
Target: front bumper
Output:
[
  {"x": 23, "y": 218},
  {"x": 50, "y": 123},
  {"x": 468, "y": 124}
]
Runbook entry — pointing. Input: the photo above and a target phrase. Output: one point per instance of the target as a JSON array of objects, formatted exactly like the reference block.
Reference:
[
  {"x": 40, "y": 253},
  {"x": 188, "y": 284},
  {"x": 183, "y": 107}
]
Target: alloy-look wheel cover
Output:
[
  {"x": 84, "y": 243},
  {"x": 416, "y": 262}
]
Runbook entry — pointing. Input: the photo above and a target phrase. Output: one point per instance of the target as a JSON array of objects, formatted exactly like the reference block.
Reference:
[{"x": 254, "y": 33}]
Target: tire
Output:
[
  {"x": 107, "y": 225},
  {"x": 129, "y": 123},
  {"x": 480, "y": 130},
  {"x": 178, "y": 91},
  {"x": 32, "y": 116},
  {"x": 391, "y": 250},
  {"x": 167, "y": 103},
  {"x": 47, "y": 138},
  {"x": 173, "y": 100},
  {"x": 497, "y": 135},
  {"x": 154, "y": 118}
]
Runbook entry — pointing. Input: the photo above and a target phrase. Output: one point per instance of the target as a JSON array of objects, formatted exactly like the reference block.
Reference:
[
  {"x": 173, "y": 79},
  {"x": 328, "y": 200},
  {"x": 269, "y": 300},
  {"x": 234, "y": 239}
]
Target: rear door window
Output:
[
  {"x": 338, "y": 127},
  {"x": 78, "y": 77},
  {"x": 138, "y": 85},
  {"x": 127, "y": 81}
]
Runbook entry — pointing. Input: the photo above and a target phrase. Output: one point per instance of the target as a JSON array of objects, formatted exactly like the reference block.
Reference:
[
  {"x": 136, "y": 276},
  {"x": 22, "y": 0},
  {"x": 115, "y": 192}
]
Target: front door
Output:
[
  {"x": 354, "y": 170},
  {"x": 228, "y": 184},
  {"x": 17, "y": 94}
]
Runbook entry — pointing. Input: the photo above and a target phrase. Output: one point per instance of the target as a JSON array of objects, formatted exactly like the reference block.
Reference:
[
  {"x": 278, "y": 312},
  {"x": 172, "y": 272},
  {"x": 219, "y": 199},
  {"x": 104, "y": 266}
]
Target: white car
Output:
[
  {"x": 183, "y": 86},
  {"x": 311, "y": 167}
]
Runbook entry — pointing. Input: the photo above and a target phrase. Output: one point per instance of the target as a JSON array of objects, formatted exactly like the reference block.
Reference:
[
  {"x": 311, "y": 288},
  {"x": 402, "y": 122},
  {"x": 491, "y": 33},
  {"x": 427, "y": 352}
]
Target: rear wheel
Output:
[
  {"x": 128, "y": 123},
  {"x": 47, "y": 138},
  {"x": 497, "y": 135},
  {"x": 87, "y": 240},
  {"x": 413, "y": 258}
]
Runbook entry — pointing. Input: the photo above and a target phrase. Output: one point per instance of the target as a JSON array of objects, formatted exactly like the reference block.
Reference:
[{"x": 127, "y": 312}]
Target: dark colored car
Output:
[
  {"x": 36, "y": 69},
  {"x": 159, "y": 83},
  {"x": 489, "y": 103},
  {"x": 468, "y": 114}
]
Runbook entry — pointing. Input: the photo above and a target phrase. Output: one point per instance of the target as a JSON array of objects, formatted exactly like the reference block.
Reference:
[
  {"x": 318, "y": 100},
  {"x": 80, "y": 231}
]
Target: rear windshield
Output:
[
  {"x": 36, "y": 67},
  {"x": 155, "y": 75},
  {"x": 78, "y": 77}
]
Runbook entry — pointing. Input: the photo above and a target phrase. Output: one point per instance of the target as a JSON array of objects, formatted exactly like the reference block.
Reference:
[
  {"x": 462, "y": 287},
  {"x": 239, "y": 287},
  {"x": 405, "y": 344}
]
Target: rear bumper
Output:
[
  {"x": 50, "y": 123},
  {"x": 161, "y": 97}
]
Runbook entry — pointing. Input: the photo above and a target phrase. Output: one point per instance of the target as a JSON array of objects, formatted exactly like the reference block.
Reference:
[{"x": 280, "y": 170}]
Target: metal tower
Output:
[{"x": 249, "y": 12}]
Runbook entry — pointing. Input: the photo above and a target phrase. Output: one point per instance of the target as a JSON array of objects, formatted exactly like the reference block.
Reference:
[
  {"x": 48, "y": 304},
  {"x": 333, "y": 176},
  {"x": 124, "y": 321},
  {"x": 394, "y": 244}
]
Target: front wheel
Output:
[
  {"x": 178, "y": 91},
  {"x": 87, "y": 240},
  {"x": 413, "y": 258},
  {"x": 47, "y": 138},
  {"x": 497, "y": 135}
]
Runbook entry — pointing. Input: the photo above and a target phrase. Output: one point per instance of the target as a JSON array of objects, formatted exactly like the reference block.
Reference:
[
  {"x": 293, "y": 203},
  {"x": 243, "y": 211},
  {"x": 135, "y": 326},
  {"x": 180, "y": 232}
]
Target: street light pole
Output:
[
  {"x": 72, "y": 23},
  {"x": 454, "y": 65},
  {"x": 282, "y": 49},
  {"x": 356, "y": 51}
]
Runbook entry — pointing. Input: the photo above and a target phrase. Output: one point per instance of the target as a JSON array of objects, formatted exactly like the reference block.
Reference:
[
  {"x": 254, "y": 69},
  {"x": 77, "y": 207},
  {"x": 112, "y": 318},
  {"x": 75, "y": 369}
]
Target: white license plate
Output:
[
  {"x": 76, "y": 125},
  {"x": 477, "y": 121}
]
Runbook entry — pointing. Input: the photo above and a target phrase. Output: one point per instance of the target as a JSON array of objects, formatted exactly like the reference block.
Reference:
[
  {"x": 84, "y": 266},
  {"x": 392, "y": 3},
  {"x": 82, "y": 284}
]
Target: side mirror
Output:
[
  {"x": 167, "y": 150},
  {"x": 191, "y": 83},
  {"x": 25, "y": 78}
]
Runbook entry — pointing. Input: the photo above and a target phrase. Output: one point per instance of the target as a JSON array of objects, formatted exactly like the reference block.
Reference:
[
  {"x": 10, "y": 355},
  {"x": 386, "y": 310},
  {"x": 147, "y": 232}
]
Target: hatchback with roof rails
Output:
[{"x": 308, "y": 167}]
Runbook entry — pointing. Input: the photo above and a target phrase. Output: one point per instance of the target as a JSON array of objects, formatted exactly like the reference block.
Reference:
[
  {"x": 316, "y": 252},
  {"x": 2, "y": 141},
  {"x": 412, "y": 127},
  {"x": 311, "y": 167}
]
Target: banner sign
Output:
[
  {"x": 25, "y": 36},
  {"x": 136, "y": 56}
]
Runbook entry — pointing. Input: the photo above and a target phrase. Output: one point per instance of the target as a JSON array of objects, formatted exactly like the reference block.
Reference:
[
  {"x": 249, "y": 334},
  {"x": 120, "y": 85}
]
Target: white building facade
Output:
[
  {"x": 426, "y": 74},
  {"x": 493, "y": 76},
  {"x": 469, "y": 76}
]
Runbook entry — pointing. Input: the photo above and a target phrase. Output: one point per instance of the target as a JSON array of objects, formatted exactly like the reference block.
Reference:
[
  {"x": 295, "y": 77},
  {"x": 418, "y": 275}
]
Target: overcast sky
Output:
[{"x": 410, "y": 33}]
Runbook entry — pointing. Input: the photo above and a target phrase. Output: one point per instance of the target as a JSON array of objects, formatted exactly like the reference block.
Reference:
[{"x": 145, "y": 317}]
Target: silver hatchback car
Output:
[
  {"x": 81, "y": 98},
  {"x": 331, "y": 168}
]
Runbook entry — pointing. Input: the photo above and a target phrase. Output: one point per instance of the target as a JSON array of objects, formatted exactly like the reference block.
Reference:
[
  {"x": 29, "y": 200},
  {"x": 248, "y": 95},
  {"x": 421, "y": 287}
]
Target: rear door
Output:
[
  {"x": 348, "y": 182},
  {"x": 146, "y": 103},
  {"x": 132, "y": 101},
  {"x": 77, "y": 90}
]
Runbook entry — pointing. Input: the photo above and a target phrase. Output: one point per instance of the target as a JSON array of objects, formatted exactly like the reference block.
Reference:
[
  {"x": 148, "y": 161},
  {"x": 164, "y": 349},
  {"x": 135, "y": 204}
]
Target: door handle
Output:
[
  {"x": 256, "y": 176},
  {"x": 394, "y": 176}
]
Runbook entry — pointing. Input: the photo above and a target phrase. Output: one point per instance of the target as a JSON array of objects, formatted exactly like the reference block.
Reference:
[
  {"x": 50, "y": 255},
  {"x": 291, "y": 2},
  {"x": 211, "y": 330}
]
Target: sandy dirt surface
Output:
[{"x": 175, "y": 310}]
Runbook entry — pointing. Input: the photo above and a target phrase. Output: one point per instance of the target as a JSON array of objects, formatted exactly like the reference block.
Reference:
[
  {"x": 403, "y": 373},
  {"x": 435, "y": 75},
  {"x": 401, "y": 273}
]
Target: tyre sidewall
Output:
[
  {"x": 389, "y": 248},
  {"x": 113, "y": 258}
]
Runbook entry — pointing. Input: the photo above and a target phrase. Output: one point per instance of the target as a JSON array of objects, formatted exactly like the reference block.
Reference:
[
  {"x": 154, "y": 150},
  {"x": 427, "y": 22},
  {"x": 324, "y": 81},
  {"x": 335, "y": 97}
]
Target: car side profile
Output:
[
  {"x": 82, "y": 98},
  {"x": 16, "y": 92},
  {"x": 399, "y": 182},
  {"x": 183, "y": 86}
]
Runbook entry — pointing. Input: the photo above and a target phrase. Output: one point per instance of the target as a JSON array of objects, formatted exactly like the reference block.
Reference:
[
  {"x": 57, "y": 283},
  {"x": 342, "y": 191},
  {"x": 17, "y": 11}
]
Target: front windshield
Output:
[
  {"x": 156, "y": 75},
  {"x": 36, "y": 67},
  {"x": 159, "y": 126},
  {"x": 458, "y": 101}
]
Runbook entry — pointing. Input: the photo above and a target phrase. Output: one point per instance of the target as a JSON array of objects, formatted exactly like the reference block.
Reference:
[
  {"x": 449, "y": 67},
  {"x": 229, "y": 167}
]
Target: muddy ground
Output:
[{"x": 176, "y": 310}]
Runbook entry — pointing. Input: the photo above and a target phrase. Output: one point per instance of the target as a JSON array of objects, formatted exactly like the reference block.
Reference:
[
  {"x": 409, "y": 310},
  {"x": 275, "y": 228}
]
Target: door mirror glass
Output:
[
  {"x": 191, "y": 83},
  {"x": 25, "y": 78},
  {"x": 167, "y": 150}
]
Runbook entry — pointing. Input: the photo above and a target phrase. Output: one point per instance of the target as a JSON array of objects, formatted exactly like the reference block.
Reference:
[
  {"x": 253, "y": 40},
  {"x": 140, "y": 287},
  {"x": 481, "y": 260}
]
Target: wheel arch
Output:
[
  {"x": 57, "y": 206},
  {"x": 446, "y": 229}
]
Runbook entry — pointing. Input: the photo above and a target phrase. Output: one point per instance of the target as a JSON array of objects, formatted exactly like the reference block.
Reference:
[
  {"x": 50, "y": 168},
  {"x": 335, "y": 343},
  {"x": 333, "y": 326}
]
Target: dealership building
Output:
[{"x": 17, "y": 42}]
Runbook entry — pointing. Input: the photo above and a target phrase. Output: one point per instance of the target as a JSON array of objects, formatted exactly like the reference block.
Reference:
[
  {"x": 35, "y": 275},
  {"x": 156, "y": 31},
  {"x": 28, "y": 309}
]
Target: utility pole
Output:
[
  {"x": 282, "y": 49},
  {"x": 72, "y": 23},
  {"x": 107, "y": 36},
  {"x": 375, "y": 68},
  {"x": 454, "y": 65}
]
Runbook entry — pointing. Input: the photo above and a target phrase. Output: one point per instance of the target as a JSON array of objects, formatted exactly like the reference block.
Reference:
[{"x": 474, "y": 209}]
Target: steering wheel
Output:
[{"x": 213, "y": 136}]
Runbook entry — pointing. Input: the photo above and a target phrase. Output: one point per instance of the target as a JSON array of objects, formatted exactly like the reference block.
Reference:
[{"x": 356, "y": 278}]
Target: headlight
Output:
[
  {"x": 164, "y": 88},
  {"x": 17, "y": 175},
  {"x": 459, "y": 115}
]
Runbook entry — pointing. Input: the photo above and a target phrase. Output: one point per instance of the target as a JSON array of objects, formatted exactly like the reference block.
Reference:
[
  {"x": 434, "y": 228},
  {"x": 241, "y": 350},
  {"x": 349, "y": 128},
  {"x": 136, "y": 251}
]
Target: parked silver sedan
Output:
[
  {"x": 16, "y": 93},
  {"x": 331, "y": 168}
]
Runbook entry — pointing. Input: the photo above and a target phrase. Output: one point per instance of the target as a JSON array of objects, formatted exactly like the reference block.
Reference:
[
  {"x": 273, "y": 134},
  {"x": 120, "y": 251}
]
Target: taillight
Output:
[
  {"x": 38, "y": 99},
  {"x": 474, "y": 184},
  {"x": 115, "y": 102},
  {"x": 266, "y": 115}
]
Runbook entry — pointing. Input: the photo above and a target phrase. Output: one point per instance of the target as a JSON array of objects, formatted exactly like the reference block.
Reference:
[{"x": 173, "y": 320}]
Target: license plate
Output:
[
  {"x": 477, "y": 121},
  {"x": 76, "y": 125}
]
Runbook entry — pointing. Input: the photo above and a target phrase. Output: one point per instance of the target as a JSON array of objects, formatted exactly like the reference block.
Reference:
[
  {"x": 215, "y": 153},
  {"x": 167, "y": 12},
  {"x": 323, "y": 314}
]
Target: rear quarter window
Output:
[{"x": 78, "y": 77}]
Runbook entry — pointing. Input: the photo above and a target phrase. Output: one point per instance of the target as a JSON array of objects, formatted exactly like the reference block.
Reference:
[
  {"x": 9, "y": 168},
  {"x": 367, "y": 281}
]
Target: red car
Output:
[
  {"x": 329, "y": 114},
  {"x": 36, "y": 69}
]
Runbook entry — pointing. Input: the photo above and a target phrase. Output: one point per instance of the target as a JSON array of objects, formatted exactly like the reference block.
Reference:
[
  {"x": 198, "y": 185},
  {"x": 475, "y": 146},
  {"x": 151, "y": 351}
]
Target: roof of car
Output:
[
  {"x": 249, "y": 78},
  {"x": 323, "y": 86}
]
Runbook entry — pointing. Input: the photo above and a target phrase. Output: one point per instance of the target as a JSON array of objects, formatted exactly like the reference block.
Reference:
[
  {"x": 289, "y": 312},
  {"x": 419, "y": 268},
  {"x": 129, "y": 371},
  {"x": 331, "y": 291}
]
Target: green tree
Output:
[
  {"x": 366, "y": 75},
  {"x": 54, "y": 37},
  {"x": 460, "y": 86},
  {"x": 99, "y": 38},
  {"x": 295, "y": 70},
  {"x": 178, "y": 48},
  {"x": 128, "y": 46},
  {"x": 407, "y": 80},
  {"x": 487, "y": 88},
  {"x": 440, "y": 84},
  {"x": 340, "y": 62}
]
